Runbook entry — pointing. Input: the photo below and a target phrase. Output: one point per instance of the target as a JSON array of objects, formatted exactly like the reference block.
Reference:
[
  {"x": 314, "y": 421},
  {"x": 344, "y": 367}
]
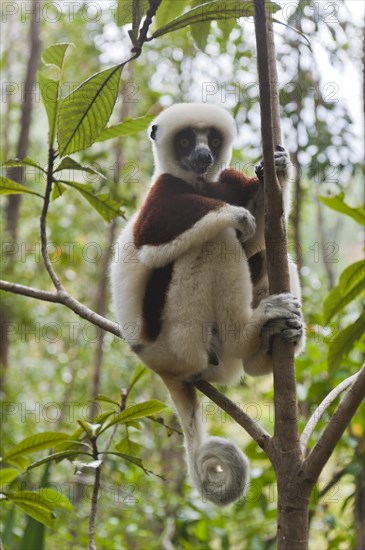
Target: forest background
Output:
[{"x": 55, "y": 364}]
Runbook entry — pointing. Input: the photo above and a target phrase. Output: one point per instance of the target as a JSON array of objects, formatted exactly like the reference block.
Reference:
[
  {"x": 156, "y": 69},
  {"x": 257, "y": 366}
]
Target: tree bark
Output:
[
  {"x": 292, "y": 504},
  {"x": 17, "y": 174},
  {"x": 13, "y": 202}
]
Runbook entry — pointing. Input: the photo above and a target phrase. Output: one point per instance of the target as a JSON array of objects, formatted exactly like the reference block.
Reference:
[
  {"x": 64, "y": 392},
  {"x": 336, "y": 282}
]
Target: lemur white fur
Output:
[{"x": 183, "y": 292}]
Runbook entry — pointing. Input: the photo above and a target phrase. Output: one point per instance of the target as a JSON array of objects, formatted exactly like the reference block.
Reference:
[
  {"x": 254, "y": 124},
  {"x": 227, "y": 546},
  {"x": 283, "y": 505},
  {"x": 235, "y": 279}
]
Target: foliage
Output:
[{"x": 57, "y": 368}]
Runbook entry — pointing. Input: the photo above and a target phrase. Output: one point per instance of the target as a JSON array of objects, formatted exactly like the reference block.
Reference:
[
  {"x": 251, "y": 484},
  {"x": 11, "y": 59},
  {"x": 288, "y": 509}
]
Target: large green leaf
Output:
[
  {"x": 344, "y": 342},
  {"x": 107, "y": 207},
  {"x": 337, "y": 203},
  {"x": 50, "y": 92},
  {"x": 84, "y": 113},
  {"x": 57, "y": 456},
  {"x": 55, "y": 498},
  {"x": 11, "y": 187},
  {"x": 351, "y": 283},
  {"x": 128, "y": 447},
  {"x": 127, "y": 127},
  {"x": 55, "y": 54},
  {"x": 34, "y": 532},
  {"x": 26, "y": 161},
  {"x": 169, "y": 10},
  {"x": 68, "y": 163},
  {"x": 7, "y": 475},
  {"x": 212, "y": 11},
  {"x": 37, "y": 442},
  {"x": 140, "y": 410},
  {"x": 35, "y": 510}
]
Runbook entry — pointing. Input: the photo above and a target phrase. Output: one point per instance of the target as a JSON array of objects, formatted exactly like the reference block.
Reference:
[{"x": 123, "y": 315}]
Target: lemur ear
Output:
[{"x": 154, "y": 131}]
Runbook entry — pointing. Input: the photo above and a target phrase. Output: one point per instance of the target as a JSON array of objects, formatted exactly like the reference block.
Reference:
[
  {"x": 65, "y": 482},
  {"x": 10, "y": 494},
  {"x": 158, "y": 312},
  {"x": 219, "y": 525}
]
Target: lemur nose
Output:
[{"x": 204, "y": 157}]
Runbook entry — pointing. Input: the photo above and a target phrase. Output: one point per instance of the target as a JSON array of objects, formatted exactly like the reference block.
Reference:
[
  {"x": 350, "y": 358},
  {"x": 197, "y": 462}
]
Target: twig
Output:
[
  {"x": 96, "y": 486},
  {"x": 62, "y": 297},
  {"x": 43, "y": 221},
  {"x": 320, "y": 410},
  {"x": 262, "y": 438},
  {"x": 142, "y": 38},
  {"x": 324, "y": 447},
  {"x": 94, "y": 498}
]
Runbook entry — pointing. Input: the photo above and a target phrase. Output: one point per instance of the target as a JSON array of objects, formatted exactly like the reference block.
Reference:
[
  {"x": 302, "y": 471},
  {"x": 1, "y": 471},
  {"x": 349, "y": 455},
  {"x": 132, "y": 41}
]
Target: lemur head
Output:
[{"x": 193, "y": 142}]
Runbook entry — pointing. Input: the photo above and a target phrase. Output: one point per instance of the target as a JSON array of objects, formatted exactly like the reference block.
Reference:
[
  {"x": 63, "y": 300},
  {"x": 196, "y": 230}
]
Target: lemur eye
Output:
[
  {"x": 216, "y": 142},
  {"x": 184, "y": 143}
]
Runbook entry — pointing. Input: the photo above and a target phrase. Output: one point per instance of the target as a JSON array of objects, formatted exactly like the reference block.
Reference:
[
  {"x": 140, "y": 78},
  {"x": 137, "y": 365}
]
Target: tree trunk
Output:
[
  {"x": 293, "y": 515},
  {"x": 13, "y": 203},
  {"x": 17, "y": 174}
]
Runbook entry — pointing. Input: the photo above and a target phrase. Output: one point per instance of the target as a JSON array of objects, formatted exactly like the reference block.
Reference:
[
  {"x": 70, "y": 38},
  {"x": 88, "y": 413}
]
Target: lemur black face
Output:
[{"x": 197, "y": 149}]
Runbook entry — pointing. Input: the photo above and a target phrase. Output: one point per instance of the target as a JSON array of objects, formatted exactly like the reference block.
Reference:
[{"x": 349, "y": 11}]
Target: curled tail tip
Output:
[{"x": 221, "y": 471}]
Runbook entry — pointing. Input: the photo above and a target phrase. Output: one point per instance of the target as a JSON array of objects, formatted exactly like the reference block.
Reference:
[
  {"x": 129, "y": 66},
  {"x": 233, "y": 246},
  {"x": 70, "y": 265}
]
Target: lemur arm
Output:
[{"x": 174, "y": 219}]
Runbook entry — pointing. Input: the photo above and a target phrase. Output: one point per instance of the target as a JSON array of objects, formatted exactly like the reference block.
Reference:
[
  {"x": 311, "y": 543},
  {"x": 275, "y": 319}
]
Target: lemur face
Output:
[
  {"x": 197, "y": 149},
  {"x": 192, "y": 142}
]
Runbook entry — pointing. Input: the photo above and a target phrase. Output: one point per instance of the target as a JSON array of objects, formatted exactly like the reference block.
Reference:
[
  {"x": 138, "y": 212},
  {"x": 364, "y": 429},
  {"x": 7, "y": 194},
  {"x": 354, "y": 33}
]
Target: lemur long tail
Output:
[{"x": 217, "y": 466}]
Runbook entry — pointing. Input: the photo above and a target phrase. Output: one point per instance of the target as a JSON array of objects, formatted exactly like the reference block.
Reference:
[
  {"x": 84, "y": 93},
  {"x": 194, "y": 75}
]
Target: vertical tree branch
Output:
[
  {"x": 286, "y": 428},
  {"x": 292, "y": 508}
]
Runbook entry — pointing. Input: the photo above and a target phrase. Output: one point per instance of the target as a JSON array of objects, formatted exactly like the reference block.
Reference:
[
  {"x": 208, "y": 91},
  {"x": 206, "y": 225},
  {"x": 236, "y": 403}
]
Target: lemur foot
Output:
[
  {"x": 285, "y": 319},
  {"x": 281, "y": 163}
]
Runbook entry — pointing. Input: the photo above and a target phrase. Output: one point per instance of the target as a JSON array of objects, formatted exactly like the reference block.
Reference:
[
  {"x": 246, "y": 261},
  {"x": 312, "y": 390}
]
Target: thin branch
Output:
[
  {"x": 94, "y": 498},
  {"x": 320, "y": 410},
  {"x": 324, "y": 447},
  {"x": 43, "y": 222},
  {"x": 142, "y": 38},
  {"x": 62, "y": 297},
  {"x": 261, "y": 436}
]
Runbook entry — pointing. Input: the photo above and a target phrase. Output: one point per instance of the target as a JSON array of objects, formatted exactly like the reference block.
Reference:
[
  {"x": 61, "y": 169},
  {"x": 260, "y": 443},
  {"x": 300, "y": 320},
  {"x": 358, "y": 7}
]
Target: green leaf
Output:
[
  {"x": 68, "y": 163},
  {"x": 211, "y": 11},
  {"x": 84, "y": 113},
  {"x": 134, "y": 459},
  {"x": 55, "y": 498},
  {"x": 26, "y": 161},
  {"x": 36, "y": 442},
  {"x": 129, "y": 447},
  {"x": 50, "y": 92},
  {"x": 128, "y": 127},
  {"x": 140, "y": 371},
  {"x": 107, "y": 399},
  {"x": 57, "y": 456},
  {"x": 35, "y": 505},
  {"x": 337, "y": 203},
  {"x": 351, "y": 283},
  {"x": 107, "y": 207},
  {"x": 39, "y": 513},
  {"x": 58, "y": 190},
  {"x": 34, "y": 533},
  {"x": 141, "y": 410},
  {"x": 7, "y": 475},
  {"x": 200, "y": 34},
  {"x": 21, "y": 462},
  {"x": 55, "y": 54},
  {"x": 169, "y": 10},
  {"x": 11, "y": 187},
  {"x": 344, "y": 342}
]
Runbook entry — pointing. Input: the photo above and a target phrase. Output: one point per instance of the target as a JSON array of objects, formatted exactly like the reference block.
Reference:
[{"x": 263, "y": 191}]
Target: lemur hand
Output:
[{"x": 281, "y": 163}]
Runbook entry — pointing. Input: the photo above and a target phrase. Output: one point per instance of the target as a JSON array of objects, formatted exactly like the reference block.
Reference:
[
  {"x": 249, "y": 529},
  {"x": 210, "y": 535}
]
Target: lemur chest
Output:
[{"x": 188, "y": 286}]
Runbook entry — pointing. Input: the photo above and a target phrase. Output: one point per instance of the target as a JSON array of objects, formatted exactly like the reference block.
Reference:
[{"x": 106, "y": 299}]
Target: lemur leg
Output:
[
  {"x": 245, "y": 332},
  {"x": 290, "y": 326}
]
